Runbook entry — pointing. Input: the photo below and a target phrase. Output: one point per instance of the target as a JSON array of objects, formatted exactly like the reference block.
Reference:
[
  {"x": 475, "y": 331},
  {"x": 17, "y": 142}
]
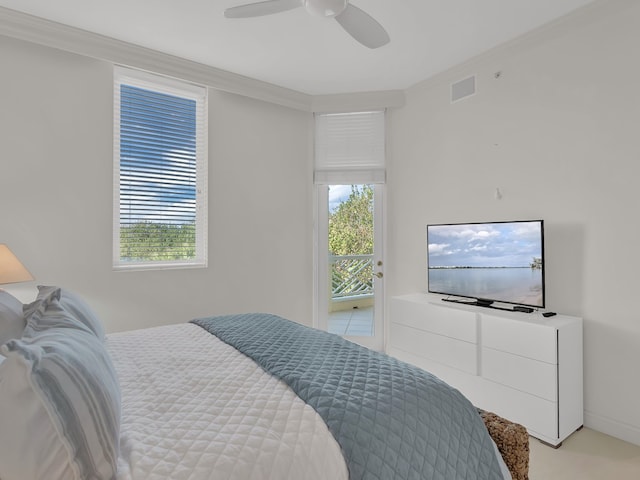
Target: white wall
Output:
[
  {"x": 56, "y": 174},
  {"x": 559, "y": 133}
]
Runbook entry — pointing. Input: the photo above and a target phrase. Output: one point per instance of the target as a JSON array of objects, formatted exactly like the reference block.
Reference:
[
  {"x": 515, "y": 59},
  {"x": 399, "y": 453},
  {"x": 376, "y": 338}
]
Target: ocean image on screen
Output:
[{"x": 497, "y": 261}]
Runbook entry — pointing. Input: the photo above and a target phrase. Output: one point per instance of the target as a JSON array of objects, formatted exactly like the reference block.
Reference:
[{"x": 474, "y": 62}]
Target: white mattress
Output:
[{"x": 195, "y": 408}]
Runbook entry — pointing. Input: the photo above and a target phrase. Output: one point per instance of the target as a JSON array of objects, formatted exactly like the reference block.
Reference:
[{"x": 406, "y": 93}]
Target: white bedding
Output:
[{"x": 195, "y": 408}]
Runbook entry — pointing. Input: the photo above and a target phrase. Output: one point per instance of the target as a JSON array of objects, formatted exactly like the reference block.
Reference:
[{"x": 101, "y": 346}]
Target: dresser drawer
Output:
[
  {"x": 538, "y": 415},
  {"x": 438, "y": 319},
  {"x": 524, "y": 374},
  {"x": 444, "y": 350},
  {"x": 522, "y": 338}
]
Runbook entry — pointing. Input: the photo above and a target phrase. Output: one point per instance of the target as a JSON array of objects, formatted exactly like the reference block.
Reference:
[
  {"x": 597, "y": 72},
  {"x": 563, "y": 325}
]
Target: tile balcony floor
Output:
[{"x": 355, "y": 322}]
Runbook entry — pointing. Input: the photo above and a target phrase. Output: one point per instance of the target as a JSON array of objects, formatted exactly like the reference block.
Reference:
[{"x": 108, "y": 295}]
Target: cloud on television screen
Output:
[{"x": 484, "y": 245}]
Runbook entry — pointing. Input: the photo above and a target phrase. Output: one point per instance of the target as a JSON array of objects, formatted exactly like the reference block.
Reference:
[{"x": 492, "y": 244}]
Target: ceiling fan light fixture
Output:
[
  {"x": 360, "y": 25},
  {"x": 325, "y": 8}
]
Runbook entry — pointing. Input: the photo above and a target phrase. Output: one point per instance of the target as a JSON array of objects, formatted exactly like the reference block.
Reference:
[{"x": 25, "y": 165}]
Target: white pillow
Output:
[
  {"x": 67, "y": 305},
  {"x": 60, "y": 400},
  {"x": 12, "y": 320}
]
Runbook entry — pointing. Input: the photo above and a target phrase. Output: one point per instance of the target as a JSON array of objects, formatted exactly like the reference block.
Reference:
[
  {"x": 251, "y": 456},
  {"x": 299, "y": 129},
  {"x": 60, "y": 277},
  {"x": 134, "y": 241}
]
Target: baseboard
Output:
[{"x": 609, "y": 426}]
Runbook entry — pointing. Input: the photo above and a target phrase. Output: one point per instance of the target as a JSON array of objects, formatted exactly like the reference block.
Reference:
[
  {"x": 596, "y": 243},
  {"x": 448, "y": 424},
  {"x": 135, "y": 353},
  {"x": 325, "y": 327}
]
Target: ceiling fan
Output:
[{"x": 359, "y": 24}]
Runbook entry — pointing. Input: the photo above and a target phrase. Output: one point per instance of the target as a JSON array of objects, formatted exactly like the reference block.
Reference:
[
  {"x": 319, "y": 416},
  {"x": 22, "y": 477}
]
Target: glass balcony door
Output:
[{"x": 350, "y": 262}]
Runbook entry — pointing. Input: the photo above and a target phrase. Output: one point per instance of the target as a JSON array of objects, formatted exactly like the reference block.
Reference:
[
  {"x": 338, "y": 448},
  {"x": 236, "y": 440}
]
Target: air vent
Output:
[{"x": 463, "y": 89}]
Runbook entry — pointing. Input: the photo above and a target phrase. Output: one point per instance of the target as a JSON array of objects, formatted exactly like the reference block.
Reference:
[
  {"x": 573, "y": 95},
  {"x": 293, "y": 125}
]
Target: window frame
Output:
[{"x": 166, "y": 85}]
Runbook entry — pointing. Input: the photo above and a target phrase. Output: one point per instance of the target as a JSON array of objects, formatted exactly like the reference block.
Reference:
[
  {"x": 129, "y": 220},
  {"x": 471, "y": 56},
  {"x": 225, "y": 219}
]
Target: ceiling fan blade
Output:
[
  {"x": 261, "y": 8},
  {"x": 363, "y": 27}
]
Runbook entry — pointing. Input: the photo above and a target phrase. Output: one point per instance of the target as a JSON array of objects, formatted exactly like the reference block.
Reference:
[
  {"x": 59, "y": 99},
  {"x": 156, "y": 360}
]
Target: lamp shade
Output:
[{"x": 11, "y": 270}]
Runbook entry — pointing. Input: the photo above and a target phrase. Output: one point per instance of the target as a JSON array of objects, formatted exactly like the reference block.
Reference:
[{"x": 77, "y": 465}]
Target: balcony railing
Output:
[{"x": 351, "y": 276}]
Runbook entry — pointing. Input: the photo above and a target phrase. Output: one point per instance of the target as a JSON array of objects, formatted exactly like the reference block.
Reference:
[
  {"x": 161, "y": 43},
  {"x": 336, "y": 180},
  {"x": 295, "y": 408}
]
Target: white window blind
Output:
[
  {"x": 160, "y": 171},
  {"x": 350, "y": 147}
]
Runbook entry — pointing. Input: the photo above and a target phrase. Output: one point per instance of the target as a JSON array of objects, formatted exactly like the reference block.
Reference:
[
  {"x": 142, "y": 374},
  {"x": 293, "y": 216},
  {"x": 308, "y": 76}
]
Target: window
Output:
[{"x": 160, "y": 177}]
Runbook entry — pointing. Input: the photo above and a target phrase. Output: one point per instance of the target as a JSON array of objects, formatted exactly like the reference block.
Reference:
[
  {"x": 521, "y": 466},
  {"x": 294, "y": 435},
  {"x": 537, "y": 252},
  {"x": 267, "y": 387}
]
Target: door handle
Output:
[{"x": 378, "y": 274}]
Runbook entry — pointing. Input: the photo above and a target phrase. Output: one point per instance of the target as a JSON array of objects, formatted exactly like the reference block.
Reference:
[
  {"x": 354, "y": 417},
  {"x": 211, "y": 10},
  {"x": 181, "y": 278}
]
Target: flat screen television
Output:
[{"x": 488, "y": 262}]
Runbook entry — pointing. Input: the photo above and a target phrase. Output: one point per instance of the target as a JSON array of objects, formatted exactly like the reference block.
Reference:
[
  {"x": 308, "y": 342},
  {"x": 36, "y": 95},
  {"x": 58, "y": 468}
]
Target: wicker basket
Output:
[{"x": 512, "y": 440}]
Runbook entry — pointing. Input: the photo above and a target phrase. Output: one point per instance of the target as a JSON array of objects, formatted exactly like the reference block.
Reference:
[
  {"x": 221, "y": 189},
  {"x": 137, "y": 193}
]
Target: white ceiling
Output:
[{"x": 309, "y": 54}]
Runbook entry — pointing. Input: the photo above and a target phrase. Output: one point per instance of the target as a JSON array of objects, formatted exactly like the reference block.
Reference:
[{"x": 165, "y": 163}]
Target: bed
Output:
[{"x": 238, "y": 397}]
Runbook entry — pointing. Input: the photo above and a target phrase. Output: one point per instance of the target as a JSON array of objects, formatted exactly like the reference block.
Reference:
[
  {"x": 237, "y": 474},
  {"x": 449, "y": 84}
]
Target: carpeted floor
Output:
[{"x": 585, "y": 455}]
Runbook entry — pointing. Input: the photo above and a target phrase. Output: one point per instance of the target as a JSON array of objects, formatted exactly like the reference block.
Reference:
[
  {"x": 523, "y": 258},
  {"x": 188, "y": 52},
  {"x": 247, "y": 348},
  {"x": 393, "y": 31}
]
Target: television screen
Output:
[{"x": 489, "y": 262}]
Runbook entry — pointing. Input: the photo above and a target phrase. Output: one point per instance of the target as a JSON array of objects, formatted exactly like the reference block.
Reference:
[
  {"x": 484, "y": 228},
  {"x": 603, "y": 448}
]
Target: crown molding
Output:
[
  {"x": 56, "y": 35},
  {"x": 63, "y": 37},
  {"x": 576, "y": 19},
  {"x": 357, "y": 102}
]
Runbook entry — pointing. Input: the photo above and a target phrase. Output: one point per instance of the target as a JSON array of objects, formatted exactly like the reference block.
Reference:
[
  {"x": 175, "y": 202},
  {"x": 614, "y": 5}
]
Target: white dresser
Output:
[{"x": 522, "y": 366}]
